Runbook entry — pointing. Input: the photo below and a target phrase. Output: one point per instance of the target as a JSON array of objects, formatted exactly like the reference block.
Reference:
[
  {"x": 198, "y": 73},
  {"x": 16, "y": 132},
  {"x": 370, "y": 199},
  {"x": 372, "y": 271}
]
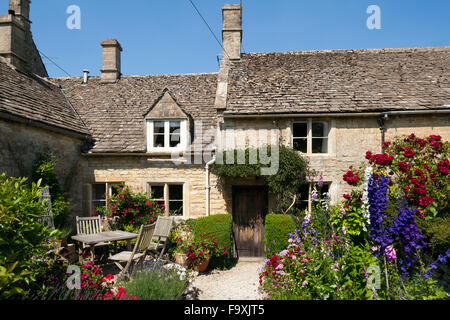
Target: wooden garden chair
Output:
[
  {"x": 161, "y": 236},
  {"x": 90, "y": 225},
  {"x": 137, "y": 255}
]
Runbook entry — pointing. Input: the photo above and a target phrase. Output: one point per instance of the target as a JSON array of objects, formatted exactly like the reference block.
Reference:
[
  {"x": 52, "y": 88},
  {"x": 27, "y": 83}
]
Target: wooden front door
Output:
[{"x": 250, "y": 206}]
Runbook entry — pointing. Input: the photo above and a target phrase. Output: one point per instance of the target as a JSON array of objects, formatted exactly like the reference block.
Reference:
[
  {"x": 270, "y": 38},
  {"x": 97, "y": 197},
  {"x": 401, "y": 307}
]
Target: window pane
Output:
[
  {"x": 175, "y": 126},
  {"x": 319, "y": 130},
  {"x": 157, "y": 192},
  {"x": 300, "y": 130},
  {"x": 176, "y": 208},
  {"x": 159, "y": 141},
  {"x": 301, "y": 145},
  {"x": 175, "y": 192},
  {"x": 97, "y": 204},
  {"x": 325, "y": 189},
  {"x": 302, "y": 202},
  {"x": 174, "y": 140},
  {"x": 99, "y": 191},
  {"x": 319, "y": 145},
  {"x": 160, "y": 203},
  {"x": 304, "y": 190},
  {"x": 115, "y": 189}
]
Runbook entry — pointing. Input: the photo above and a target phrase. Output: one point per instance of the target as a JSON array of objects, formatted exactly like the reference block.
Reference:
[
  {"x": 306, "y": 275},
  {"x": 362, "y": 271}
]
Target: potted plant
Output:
[
  {"x": 183, "y": 236},
  {"x": 200, "y": 251}
]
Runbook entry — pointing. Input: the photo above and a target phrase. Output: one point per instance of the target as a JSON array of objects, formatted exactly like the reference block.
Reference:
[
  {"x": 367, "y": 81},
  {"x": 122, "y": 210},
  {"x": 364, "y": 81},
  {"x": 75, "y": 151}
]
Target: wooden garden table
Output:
[{"x": 109, "y": 236}]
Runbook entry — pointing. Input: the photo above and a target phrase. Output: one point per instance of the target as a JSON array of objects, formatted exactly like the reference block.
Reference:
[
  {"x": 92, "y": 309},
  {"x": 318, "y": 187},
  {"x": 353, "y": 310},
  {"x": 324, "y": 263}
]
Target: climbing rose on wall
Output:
[
  {"x": 421, "y": 168},
  {"x": 352, "y": 177}
]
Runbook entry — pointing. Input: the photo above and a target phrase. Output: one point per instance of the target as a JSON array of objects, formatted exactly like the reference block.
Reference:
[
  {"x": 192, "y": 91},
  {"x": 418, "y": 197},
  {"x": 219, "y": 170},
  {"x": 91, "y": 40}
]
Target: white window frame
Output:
[
  {"x": 309, "y": 137},
  {"x": 150, "y": 135}
]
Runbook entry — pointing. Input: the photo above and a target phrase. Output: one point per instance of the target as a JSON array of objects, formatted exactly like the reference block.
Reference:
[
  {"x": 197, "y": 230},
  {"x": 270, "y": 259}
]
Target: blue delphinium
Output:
[
  {"x": 442, "y": 258},
  {"x": 405, "y": 228},
  {"x": 377, "y": 195}
]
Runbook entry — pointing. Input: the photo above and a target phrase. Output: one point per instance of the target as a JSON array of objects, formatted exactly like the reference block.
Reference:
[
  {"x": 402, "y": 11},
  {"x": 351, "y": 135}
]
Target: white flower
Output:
[{"x": 365, "y": 196}]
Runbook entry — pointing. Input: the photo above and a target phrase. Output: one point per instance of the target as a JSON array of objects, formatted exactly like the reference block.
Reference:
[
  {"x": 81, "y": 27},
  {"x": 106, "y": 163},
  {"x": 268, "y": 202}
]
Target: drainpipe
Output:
[
  {"x": 382, "y": 123},
  {"x": 208, "y": 187}
]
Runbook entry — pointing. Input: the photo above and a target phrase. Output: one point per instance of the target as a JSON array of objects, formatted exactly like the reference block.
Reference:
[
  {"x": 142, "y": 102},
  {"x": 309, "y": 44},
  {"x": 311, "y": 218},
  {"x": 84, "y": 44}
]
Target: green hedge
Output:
[
  {"x": 220, "y": 226},
  {"x": 277, "y": 228}
]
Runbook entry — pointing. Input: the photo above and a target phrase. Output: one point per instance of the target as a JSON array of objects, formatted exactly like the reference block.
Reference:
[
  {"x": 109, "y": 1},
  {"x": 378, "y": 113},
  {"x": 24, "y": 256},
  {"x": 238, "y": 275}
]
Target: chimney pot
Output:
[
  {"x": 20, "y": 8},
  {"x": 111, "y": 69},
  {"x": 86, "y": 76}
]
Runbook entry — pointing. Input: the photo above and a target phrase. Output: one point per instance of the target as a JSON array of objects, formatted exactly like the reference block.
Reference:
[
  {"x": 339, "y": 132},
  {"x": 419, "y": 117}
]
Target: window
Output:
[
  {"x": 300, "y": 135},
  {"x": 166, "y": 135},
  {"x": 176, "y": 200},
  {"x": 305, "y": 195},
  {"x": 101, "y": 192},
  {"x": 169, "y": 195},
  {"x": 98, "y": 195},
  {"x": 319, "y": 137},
  {"x": 310, "y": 137},
  {"x": 157, "y": 194}
]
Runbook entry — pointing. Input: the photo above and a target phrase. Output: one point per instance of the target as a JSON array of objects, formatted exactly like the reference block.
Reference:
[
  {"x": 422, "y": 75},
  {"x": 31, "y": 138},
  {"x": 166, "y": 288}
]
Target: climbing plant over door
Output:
[{"x": 293, "y": 171}]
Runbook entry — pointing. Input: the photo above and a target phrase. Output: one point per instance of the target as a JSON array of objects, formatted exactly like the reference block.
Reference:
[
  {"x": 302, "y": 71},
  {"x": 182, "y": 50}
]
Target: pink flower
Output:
[{"x": 391, "y": 253}]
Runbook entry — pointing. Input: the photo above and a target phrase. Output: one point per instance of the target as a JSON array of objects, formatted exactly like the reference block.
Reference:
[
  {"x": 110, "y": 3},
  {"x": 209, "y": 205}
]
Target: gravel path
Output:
[{"x": 238, "y": 283}]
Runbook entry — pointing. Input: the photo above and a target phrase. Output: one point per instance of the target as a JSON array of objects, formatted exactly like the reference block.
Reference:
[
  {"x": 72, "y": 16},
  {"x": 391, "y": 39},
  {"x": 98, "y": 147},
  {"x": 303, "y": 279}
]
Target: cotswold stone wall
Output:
[
  {"x": 21, "y": 145},
  {"x": 140, "y": 172},
  {"x": 349, "y": 139}
]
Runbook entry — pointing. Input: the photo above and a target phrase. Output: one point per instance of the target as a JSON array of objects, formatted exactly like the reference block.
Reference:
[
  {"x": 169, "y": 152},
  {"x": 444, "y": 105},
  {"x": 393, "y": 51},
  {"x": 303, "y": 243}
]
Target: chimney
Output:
[
  {"x": 232, "y": 31},
  {"x": 21, "y": 8},
  {"x": 111, "y": 60},
  {"x": 85, "y": 76},
  {"x": 16, "y": 41}
]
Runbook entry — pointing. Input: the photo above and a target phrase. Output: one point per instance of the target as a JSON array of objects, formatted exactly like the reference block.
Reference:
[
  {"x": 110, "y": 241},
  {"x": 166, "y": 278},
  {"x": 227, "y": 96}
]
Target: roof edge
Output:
[{"x": 39, "y": 124}]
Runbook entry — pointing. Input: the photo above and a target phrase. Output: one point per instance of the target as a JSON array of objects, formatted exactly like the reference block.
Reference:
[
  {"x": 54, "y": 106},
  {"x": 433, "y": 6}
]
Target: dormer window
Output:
[
  {"x": 167, "y": 125},
  {"x": 166, "y": 135}
]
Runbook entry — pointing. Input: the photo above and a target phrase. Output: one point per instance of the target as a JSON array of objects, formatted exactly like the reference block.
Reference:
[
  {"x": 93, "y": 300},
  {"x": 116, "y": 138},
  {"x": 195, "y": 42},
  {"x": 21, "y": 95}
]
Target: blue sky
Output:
[{"x": 168, "y": 36}]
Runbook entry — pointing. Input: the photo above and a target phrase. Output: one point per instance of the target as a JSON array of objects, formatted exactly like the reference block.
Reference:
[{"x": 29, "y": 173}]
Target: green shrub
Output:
[
  {"x": 220, "y": 226},
  {"x": 436, "y": 232},
  {"x": 277, "y": 228},
  {"x": 21, "y": 236},
  {"x": 44, "y": 169}
]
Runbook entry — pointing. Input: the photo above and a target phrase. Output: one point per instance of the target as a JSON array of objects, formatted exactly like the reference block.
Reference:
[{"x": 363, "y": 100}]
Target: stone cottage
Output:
[{"x": 161, "y": 133}]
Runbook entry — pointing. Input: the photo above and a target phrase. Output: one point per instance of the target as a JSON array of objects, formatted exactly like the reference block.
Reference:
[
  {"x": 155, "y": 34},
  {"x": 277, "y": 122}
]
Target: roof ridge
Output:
[
  {"x": 362, "y": 50},
  {"x": 143, "y": 76}
]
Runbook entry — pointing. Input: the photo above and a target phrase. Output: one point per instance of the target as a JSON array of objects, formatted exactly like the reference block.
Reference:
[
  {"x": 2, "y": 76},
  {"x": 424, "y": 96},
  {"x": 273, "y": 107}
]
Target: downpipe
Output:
[{"x": 207, "y": 183}]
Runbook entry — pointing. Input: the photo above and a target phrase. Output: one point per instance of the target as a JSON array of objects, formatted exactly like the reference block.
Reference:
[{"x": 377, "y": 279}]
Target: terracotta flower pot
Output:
[{"x": 202, "y": 266}]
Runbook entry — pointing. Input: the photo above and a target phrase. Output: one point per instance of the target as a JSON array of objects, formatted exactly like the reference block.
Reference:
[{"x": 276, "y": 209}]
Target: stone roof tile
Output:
[
  {"x": 115, "y": 113},
  {"x": 34, "y": 98},
  {"x": 340, "y": 80}
]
